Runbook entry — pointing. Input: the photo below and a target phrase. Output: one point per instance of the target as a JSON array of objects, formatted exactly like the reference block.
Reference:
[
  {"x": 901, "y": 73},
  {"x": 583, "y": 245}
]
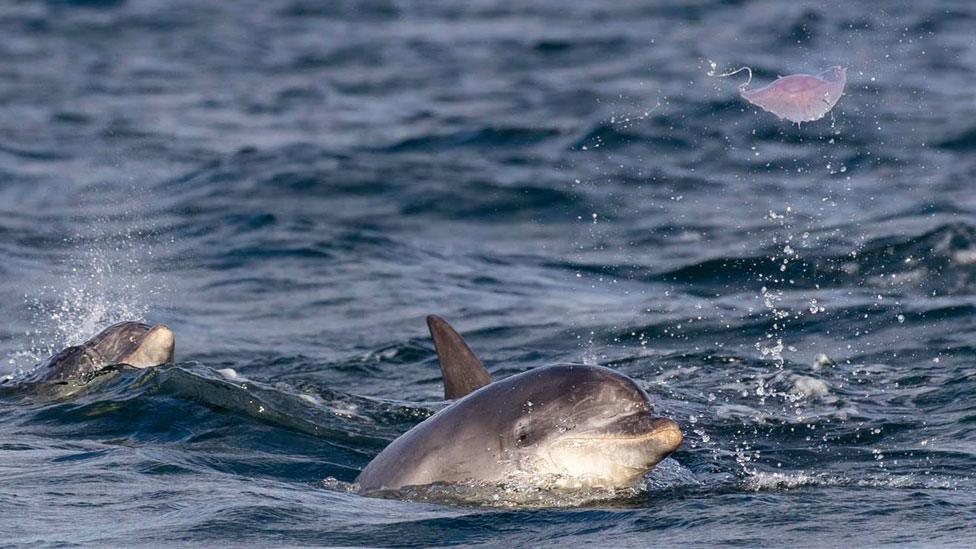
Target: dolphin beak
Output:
[
  {"x": 162, "y": 341},
  {"x": 666, "y": 435},
  {"x": 155, "y": 348},
  {"x": 662, "y": 435}
]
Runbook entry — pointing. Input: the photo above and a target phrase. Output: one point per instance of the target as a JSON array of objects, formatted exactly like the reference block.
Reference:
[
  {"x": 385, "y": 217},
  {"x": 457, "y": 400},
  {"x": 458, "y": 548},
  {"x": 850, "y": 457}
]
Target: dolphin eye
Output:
[{"x": 526, "y": 437}]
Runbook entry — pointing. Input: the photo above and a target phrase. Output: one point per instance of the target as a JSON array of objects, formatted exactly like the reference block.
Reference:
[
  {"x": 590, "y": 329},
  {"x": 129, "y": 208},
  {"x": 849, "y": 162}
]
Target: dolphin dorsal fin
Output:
[{"x": 461, "y": 370}]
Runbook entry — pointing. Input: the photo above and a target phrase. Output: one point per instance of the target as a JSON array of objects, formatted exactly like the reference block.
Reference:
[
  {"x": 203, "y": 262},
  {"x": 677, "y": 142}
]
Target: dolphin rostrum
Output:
[{"x": 563, "y": 426}]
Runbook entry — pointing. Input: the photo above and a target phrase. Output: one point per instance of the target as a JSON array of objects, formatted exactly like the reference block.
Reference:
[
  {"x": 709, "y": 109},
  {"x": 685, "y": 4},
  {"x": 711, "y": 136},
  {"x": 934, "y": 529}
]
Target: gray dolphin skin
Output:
[
  {"x": 564, "y": 426},
  {"x": 133, "y": 343}
]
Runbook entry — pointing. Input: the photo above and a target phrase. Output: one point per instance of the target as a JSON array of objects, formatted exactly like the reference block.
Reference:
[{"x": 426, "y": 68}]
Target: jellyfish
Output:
[{"x": 797, "y": 97}]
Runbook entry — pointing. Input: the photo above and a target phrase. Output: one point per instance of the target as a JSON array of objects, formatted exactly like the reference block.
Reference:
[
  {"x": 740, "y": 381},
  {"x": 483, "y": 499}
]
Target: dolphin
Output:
[
  {"x": 567, "y": 426},
  {"x": 133, "y": 343}
]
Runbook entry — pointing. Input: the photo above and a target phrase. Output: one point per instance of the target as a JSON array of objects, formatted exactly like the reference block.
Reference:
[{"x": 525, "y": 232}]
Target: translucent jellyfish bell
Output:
[
  {"x": 797, "y": 97},
  {"x": 800, "y": 97}
]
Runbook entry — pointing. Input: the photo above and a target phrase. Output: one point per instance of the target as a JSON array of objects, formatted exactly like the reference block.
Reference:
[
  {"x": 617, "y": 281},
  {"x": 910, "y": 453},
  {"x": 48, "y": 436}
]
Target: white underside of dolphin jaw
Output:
[
  {"x": 604, "y": 460},
  {"x": 580, "y": 465}
]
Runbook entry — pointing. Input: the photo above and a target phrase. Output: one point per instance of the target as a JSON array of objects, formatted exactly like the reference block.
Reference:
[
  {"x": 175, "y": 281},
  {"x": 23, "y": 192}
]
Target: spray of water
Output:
[{"x": 103, "y": 279}]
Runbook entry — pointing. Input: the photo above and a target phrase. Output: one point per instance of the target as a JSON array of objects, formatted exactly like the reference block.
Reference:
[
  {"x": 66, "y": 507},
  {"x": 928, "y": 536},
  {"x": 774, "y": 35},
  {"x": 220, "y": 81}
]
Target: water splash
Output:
[
  {"x": 776, "y": 481},
  {"x": 103, "y": 280}
]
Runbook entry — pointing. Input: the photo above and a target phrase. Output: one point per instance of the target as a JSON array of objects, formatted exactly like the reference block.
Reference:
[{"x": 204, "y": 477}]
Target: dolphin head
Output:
[
  {"x": 587, "y": 426},
  {"x": 133, "y": 343}
]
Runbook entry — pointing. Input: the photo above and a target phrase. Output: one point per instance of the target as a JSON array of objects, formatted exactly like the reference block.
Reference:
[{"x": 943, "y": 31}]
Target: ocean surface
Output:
[{"x": 293, "y": 185}]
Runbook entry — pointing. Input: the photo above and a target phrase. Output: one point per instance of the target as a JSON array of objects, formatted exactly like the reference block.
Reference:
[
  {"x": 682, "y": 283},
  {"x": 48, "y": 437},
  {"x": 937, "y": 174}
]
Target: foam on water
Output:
[{"x": 775, "y": 481}]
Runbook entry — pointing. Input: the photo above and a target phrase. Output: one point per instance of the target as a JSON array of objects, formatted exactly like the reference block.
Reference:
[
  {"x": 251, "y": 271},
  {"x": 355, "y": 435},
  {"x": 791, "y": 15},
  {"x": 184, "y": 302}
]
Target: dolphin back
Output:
[{"x": 73, "y": 362}]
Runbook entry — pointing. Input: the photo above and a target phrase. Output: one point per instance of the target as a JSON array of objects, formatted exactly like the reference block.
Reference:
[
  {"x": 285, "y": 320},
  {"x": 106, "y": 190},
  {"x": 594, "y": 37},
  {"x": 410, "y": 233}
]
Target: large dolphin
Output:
[
  {"x": 562, "y": 427},
  {"x": 133, "y": 343}
]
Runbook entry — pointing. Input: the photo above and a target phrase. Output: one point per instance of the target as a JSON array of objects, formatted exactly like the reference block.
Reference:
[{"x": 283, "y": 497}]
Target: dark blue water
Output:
[{"x": 292, "y": 185}]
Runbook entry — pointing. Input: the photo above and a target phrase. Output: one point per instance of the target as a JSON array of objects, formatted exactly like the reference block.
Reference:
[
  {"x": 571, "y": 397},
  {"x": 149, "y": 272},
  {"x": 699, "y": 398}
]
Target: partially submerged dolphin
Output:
[
  {"x": 132, "y": 343},
  {"x": 563, "y": 427}
]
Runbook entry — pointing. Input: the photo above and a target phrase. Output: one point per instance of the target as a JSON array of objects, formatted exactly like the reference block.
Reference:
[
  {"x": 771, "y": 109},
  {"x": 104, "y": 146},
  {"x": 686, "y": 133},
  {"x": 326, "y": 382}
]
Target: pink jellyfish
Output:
[{"x": 797, "y": 97}]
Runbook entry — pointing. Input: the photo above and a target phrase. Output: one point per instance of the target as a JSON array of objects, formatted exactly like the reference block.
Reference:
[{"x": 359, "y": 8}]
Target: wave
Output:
[
  {"x": 963, "y": 142},
  {"x": 942, "y": 261},
  {"x": 189, "y": 400},
  {"x": 483, "y": 137}
]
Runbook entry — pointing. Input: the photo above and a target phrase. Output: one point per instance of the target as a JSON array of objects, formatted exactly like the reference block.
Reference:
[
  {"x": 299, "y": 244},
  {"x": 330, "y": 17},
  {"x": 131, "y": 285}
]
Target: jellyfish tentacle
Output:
[{"x": 730, "y": 73}]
